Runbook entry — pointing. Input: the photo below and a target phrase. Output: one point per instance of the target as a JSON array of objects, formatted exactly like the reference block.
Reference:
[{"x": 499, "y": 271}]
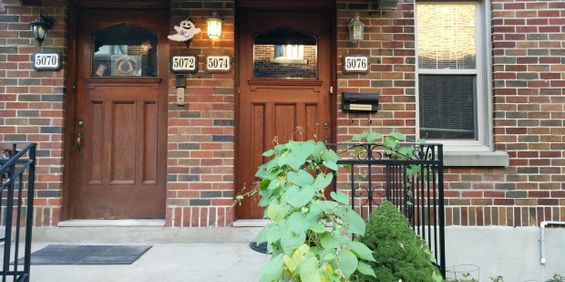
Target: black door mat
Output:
[
  {"x": 261, "y": 248},
  {"x": 88, "y": 254}
]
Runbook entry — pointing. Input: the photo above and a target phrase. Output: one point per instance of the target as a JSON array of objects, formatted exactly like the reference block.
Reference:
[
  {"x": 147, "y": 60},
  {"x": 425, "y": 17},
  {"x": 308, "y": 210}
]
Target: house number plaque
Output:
[
  {"x": 47, "y": 61},
  {"x": 218, "y": 63},
  {"x": 184, "y": 64},
  {"x": 356, "y": 64}
]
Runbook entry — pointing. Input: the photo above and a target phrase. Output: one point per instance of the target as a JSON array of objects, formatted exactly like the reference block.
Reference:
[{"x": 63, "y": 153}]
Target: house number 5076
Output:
[
  {"x": 356, "y": 64},
  {"x": 218, "y": 63}
]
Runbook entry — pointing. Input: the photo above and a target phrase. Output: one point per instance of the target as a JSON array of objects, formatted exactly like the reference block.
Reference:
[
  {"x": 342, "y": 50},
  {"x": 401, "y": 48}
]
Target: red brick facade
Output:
[
  {"x": 201, "y": 134},
  {"x": 528, "y": 74},
  {"x": 31, "y": 103}
]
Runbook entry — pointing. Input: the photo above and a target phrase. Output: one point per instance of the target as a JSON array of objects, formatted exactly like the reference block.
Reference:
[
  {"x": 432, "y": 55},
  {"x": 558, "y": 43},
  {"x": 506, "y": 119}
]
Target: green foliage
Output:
[
  {"x": 466, "y": 277},
  {"x": 392, "y": 145},
  {"x": 309, "y": 235},
  {"x": 557, "y": 278},
  {"x": 400, "y": 254}
]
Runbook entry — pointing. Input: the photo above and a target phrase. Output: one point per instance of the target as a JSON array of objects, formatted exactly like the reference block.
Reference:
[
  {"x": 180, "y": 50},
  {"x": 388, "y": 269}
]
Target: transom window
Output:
[
  {"x": 452, "y": 92},
  {"x": 124, "y": 51},
  {"x": 285, "y": 53}
]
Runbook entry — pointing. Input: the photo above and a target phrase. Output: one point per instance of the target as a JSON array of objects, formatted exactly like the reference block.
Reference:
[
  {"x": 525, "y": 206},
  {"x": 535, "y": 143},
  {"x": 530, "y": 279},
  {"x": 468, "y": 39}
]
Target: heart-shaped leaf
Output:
[
  {"x": 299, "y": 197},
  {"x": 340, "y": 197},
  {"x": 347, "y": 262}
]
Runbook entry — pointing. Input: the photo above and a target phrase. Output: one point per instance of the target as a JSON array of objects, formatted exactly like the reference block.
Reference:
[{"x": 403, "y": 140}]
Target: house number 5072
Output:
[{"x": 218, "y": 63}]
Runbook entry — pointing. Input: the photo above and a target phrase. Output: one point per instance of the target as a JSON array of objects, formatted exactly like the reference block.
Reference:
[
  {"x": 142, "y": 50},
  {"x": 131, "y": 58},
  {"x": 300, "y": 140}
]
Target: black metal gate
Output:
[
  {"x": 374, "y": 174},
  {"x": 17, "y": 177}
]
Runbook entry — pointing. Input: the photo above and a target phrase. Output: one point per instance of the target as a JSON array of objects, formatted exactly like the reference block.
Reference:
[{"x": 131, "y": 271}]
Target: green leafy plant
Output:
[
  {"x": 309, "y": 236},
  {"x": 498, "y": 278},
  {"x": 557, "y": 278},
  {"x": 400, "y": 254},
  {"x": 465, "y": 277},
  {"x": 392, "y": 145},
  {"x": 393, "y": 148}
]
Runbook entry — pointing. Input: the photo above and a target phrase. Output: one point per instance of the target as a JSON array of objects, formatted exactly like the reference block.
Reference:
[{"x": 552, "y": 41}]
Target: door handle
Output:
[
  {"x": 326, "y": 127},
  {"x": 78, "y": 144}
]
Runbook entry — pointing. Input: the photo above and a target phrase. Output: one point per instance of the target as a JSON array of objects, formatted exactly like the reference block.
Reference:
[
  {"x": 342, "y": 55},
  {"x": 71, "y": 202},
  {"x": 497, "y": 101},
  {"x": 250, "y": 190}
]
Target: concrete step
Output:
[{"x": 143, "y": 234}]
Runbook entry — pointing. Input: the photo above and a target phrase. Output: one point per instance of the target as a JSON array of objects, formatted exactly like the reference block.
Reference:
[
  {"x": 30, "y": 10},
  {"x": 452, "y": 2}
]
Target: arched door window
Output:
[
  {"x": 285, "y": 53},
  {"x": 124, "y": 51}
]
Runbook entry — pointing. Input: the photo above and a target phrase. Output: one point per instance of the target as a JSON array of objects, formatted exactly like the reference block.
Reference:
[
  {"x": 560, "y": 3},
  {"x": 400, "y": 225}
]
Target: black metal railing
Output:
[
  {"x": 414, "y": 183},
  {"x": 17, "y": 177}
]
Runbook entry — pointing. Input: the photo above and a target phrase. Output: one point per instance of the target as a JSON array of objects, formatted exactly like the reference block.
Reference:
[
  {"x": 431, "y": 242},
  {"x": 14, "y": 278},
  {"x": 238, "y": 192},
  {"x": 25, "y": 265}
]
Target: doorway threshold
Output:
[
  {"x": 251, "y": 223},
  {"x": 112, "y": 223}
]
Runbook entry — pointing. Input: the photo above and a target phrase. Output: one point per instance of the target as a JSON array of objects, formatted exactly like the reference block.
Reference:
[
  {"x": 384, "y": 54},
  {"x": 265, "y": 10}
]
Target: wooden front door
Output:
[
  {"x": 285, "y": 59},
  {"x": 118, "y": 166}
]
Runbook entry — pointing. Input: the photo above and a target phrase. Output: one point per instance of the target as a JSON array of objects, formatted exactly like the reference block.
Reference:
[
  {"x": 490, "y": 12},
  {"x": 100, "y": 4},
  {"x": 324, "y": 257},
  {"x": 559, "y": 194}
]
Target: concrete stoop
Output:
[{"x": 144, "y": 234}]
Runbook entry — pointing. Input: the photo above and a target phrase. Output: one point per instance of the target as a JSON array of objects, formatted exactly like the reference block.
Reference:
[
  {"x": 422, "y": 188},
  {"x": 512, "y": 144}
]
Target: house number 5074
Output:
[{"x": 218, "y": 63}]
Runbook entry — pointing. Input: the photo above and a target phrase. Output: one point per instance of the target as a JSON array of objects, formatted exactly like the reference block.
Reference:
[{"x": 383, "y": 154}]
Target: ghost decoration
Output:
[{"x": 186, "y": 30}]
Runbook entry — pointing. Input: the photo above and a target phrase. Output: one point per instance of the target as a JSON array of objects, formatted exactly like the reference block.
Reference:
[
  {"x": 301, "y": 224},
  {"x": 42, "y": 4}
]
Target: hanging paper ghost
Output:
[{"x": 186, "y": 30}]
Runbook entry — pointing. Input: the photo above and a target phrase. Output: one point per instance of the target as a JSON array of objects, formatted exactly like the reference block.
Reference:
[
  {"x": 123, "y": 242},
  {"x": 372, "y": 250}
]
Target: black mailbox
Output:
[{"x": 361, "y": 102}]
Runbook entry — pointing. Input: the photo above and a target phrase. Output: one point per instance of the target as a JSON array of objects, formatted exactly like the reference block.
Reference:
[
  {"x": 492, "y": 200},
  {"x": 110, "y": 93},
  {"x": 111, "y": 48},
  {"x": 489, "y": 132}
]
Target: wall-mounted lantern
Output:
[
  {"x": 356, "y": 30},
  {"x": 40, "y": 26},
  {"x": 214, "y": 26}
]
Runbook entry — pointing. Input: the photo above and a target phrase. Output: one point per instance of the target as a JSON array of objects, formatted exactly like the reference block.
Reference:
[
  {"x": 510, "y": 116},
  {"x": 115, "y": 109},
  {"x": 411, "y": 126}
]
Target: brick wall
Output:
[
  {"x": 389, "y": 40},
  {"x": 529, "y": 110},
  {"x": 31, "y": 103},
  {"x": 529, "y": 106},
  {"x": 201, "y": 134},
  {"x": 529, "y": 118}
]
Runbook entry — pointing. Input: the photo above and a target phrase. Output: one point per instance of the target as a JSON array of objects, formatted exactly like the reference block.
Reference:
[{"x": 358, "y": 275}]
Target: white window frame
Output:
[{"x": 483, "y": 74}]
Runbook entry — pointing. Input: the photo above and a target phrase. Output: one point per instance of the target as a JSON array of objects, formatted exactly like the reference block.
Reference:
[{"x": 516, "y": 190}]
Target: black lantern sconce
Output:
[
  {"x": 40, "y": 26},
  {"x": 356, "y": 30}
]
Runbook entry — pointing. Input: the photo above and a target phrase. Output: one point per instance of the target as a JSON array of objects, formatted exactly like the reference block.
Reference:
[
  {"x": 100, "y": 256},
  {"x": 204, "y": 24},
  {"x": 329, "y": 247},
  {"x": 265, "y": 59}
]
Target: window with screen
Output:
[{"x": 451, "y": 91}]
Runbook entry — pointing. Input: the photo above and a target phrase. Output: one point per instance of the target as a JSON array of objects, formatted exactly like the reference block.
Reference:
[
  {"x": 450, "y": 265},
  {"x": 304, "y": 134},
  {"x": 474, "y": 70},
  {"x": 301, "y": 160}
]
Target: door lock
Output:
[
  {"x": 326, "y": 127},
  {"x": 80, "y": 136}
]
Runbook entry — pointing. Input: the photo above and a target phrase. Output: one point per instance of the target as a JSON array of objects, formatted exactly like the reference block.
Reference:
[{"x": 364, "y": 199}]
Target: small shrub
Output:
[{"x": 399, "y": 253}]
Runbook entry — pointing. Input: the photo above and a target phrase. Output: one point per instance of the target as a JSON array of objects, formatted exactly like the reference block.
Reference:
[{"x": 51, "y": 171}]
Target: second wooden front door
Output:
[
  {"x": 285, "y": 59},
  {"x": 118, "y": 162}
]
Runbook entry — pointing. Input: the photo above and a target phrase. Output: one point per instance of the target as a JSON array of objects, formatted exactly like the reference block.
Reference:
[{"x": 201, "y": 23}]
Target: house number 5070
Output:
[
  {"x": 47, "y": 61},
  {"x": 218, "y": 63}
]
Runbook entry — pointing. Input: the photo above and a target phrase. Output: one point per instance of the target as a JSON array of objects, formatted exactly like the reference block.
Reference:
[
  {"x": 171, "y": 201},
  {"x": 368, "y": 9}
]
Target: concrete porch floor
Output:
[
  {"x": 208, "y": 262},
  {"x": 178, "y": 254},
  {"x": 223, "y": 254}
]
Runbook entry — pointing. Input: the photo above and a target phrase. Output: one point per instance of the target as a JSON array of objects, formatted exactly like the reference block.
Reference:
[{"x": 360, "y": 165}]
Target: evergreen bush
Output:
[{"x": 399, "y": 253}]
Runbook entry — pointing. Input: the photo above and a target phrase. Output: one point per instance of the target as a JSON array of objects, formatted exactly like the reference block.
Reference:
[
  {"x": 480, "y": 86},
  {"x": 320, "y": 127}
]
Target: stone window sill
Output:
[{"x": 476, "y": 159}]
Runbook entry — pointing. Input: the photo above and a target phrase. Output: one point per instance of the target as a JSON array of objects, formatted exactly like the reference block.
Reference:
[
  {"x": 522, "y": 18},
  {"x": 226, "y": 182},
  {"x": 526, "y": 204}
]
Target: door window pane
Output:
[
  {"x": 285, "y": 53},
  {"x": 447, "y": 36},
  {"x": 447, "y": 106},
  {"x": 124, "y": 51}
]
